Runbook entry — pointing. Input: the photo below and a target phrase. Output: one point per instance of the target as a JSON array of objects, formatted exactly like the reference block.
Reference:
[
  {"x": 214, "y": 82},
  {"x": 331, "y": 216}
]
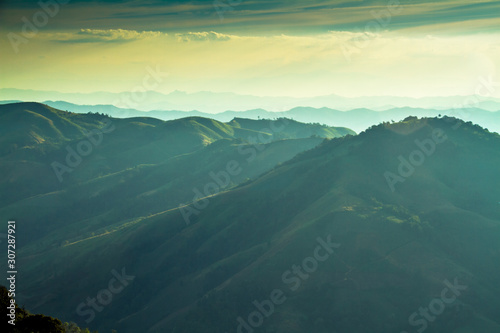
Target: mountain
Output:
[
  {"x": 357, "y": 119},
  {"x": 294, "y": 129},
  {"x": 10, "y": 101},
  {"x": 395, "y": 229},
  {"x": 361, "y": 119},
  {"x": 117, "y": 112},
  {"x": 62, "y": 169},
  {"x": 212, "y": 102}
]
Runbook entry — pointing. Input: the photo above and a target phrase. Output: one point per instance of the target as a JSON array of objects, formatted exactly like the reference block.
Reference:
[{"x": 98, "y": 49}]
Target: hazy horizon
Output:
[
  {"x": 217, "y": 103},
  {"x": 259, "y": 48},
  {"x": 234, "y": 93}
]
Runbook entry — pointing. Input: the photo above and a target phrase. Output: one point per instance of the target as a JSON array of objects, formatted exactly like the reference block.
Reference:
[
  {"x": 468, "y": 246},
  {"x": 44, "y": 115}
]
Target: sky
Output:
[{"x": 255, "y": 47}]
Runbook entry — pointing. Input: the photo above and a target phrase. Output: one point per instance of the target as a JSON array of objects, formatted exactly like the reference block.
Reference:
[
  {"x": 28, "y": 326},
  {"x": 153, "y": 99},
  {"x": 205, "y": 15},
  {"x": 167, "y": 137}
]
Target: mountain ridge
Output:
[
  {"x": 358, "y": 119},
  {"x": 212, "y": 102}
]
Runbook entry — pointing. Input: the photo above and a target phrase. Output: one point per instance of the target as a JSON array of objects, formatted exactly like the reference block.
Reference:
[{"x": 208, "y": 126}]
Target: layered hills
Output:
[
  {"x": 356, "y": 118},
  {"x": 249, "y": 229}
]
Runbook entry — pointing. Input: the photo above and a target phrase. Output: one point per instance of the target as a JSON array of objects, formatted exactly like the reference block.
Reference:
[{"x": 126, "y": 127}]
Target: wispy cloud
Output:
[
  {"x": 251, "y": 16},
  {"x": 101, "y": 35},
  {"x": 203, "y": 36}
]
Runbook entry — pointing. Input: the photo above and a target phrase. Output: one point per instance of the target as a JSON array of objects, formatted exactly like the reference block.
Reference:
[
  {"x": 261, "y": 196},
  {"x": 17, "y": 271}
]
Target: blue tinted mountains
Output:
[
  {"x": 233, "y": 227},
  {"x": 210, "y": 102},
  {"x": 358, "y": 119},
  {"x": 356, "y": 113}
]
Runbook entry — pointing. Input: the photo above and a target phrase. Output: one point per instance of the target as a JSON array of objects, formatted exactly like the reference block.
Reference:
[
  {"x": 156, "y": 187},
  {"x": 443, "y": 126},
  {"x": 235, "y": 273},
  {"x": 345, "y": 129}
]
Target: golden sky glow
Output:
[{"x": 406, "y": 54}]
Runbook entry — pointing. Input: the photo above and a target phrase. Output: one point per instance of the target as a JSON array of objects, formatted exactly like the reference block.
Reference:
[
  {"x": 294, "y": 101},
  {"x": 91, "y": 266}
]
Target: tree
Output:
[
  {"x": 41, "y": 324},
  {"x": 30, "y": 323}
]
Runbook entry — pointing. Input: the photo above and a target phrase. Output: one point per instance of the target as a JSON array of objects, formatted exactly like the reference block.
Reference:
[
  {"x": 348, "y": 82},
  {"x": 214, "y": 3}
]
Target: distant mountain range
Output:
[
  {"x": 357, "y": 119},
  {"x": 210, "y": 102},
  {"x": 196, "y": 225}
]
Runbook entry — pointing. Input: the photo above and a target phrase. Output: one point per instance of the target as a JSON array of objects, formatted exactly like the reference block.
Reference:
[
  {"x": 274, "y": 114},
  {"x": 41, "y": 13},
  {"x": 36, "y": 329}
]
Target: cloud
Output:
[
  {"x": 406, "y": 63},
  {"x": 101, "y": 35},
  {"x": 203, "y": 36},
  {"x": 113, "y": 34},
  {"x": 262, "y": 17}
]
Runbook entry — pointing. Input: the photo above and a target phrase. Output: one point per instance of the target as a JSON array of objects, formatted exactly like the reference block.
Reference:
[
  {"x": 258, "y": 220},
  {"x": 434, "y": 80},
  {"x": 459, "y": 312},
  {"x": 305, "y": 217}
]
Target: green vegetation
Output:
[
  {"x": 396, "y": 248},
  {"x": 25, "y": 322}
]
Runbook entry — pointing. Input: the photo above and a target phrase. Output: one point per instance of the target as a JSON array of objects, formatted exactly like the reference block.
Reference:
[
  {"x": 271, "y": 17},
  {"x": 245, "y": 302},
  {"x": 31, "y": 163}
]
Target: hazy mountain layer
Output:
[
  {"x": 212, "y": 102},
  {"x": 356, "y": 119}
]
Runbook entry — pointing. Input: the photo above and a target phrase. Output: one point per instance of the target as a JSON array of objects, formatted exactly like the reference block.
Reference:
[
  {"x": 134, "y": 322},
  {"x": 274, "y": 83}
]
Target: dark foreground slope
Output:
[
  {"x": 19, "y": 320},
  {"x": 394, "y": 230}
]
